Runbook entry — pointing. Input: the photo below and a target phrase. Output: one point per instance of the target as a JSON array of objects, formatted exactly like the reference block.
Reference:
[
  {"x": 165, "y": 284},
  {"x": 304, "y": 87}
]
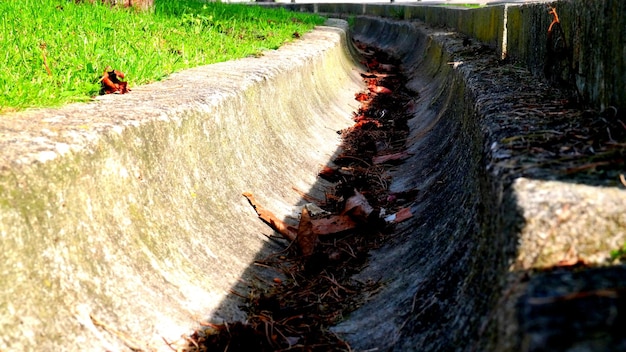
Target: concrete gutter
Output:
[{"x": 122, "y": 220}]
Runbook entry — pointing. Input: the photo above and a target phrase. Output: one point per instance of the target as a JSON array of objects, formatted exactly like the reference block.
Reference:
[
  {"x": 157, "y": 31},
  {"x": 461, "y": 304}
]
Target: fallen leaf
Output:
[
  {"x": 358, "y": 207},
  {"x": 333, "y": 224},
  {"x": 359, "y": 118},
  {"x": 111, "y": 82},
  {"x": 403, "y": 214},
  {"x": 379, "y": 90},
  {"x": 371, "y": 82},
  {"x": 275, "y": 223},
  {"x": 329, "y": 174},
  {"x": 307, "y": 239},
  {"x": 361, "y": 96}
]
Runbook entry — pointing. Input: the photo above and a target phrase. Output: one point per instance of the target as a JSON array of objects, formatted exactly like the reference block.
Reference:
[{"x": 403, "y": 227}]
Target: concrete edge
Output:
[{"x": 122, "y": 222}]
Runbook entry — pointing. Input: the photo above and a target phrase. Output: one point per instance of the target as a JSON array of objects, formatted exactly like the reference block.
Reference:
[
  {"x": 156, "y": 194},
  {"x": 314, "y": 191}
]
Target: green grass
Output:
[
  {"x": 618, "y": 254},
  {"x": 80, "y": 40}
]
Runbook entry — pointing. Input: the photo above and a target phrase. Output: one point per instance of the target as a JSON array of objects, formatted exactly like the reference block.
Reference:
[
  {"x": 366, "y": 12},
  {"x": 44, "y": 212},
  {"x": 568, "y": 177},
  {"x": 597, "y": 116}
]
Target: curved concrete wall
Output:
[
  {"x": 440, "y": 289},
  {"x": 129, "y": 209}
]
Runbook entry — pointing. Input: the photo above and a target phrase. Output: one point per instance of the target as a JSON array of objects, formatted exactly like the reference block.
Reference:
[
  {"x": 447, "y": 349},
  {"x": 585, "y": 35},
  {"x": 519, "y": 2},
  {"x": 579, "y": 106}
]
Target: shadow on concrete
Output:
[{"x": 440, "y": 270}]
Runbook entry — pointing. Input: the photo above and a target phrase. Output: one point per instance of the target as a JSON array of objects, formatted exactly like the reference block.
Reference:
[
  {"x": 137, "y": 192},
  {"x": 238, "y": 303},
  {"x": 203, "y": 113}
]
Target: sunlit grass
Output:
[{"x": 78, "y": 41}]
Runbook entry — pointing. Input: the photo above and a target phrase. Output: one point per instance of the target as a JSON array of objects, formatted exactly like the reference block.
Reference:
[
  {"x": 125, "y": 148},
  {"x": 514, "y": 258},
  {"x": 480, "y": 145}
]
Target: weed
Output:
[{"x": 619, "y": 254}]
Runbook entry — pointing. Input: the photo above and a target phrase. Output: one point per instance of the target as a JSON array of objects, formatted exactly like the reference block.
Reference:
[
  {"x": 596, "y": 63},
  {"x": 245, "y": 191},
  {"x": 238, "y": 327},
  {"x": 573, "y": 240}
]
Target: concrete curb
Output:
[{"x": 129, "y": 209}]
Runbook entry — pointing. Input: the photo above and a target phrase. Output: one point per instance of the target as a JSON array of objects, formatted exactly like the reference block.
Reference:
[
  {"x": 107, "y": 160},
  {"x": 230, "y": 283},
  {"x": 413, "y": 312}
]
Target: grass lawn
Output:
[{"x": 53, "y": 52}]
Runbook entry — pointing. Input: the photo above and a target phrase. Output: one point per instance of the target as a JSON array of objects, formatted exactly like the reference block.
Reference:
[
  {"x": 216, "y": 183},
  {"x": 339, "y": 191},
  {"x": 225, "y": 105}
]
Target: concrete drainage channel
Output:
[{"x": 123, "y": 224}]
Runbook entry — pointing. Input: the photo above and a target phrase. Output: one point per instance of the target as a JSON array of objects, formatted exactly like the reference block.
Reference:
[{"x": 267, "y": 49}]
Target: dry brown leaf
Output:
[
  {"x": 275, "y": 223},
  {"x": 329, "y": 174},
  {"x": 358, "y": 207},
  {"x": 403, "y": 214},
  {"x": 111, "y": 82},
  {"x": 332, "y": 224},
  {"x": 379, "y": 90},
  {"x": 307, "y": 239},
  {"x": 361, "y": 96}
]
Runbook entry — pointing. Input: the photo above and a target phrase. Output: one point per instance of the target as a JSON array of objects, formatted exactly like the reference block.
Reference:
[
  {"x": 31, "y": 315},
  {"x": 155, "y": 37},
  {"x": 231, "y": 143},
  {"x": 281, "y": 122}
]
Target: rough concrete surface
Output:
[
  {"x": 491, "y": 217},
  {"x": 129, "y": 209}
]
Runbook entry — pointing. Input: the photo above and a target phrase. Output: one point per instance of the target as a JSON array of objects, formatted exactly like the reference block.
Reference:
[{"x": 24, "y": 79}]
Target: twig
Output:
[
  {"x": 606, "y": 292},
  {"x": 132, "y": 343},
  {"x": 189, "y": 339},
  {"x": 233, "y": 292},
  {"x": 307, "y": 197},
  {"x": 333, "y": 281},
  {"x": 530, "y": 135},
  {"x": 430, "y": 302},
  {"x": 43, "y": 46},
  {"x": 169, "y": 344},
  {"x": 350, "y": 253},
  {"x": 575, "y": 169},
  {"x": 342, "y": 341},
  {"x": 355, "y": 158}
]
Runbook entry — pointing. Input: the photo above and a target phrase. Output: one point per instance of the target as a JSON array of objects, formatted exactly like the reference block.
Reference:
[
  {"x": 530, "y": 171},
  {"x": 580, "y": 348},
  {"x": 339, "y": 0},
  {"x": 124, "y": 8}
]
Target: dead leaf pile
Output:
[
  {"x": 333, "y": 236},
  {"x": 111, "y": 82}
]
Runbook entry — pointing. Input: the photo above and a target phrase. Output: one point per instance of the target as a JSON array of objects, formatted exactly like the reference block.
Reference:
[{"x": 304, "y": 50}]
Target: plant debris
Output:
[
  {"x": 275, "y": 223},
  {"x": 547, "y": 132},
  {"x": 333, "y": 236},
  {"x": 550, "y": 139},
  {"x": 111, "y": 82}
]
